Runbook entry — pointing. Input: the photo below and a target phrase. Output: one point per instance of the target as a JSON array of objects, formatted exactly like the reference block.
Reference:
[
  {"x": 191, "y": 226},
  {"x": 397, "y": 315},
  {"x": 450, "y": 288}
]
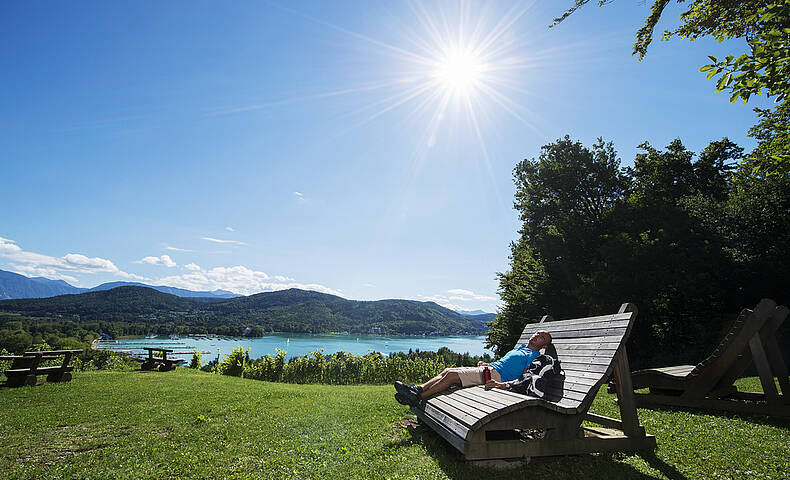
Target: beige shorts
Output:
[{"x": 474, "y": 375}]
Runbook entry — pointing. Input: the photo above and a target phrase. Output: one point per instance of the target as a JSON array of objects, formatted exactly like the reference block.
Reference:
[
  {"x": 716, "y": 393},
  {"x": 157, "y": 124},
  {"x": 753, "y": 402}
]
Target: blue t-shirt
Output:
[{"x": 513, "y": 364}]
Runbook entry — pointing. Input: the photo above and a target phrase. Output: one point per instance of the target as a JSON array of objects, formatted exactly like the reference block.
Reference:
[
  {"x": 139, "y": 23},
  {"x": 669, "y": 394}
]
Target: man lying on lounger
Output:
[{"x": 508, "y": 369}]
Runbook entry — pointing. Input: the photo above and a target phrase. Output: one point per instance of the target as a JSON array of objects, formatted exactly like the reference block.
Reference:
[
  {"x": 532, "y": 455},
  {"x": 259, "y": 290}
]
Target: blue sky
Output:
[{"x": 335, "y": 146}]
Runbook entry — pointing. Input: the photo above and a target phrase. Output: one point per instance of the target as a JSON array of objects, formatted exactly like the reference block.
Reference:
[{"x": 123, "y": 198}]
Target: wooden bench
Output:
[
  {"x": 26, "y": 368},
  {"x": 165, "y": 364},
  {"x": 487, "y": 424},
  {"x": 709, "y": 384}
]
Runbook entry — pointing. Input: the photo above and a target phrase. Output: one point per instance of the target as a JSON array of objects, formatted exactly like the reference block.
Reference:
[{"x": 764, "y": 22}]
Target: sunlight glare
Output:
[{"x": 460, "y": 71}]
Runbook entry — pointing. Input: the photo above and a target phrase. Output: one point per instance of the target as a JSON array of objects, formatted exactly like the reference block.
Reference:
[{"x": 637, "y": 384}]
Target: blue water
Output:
[{"x": 301, "y": 344}]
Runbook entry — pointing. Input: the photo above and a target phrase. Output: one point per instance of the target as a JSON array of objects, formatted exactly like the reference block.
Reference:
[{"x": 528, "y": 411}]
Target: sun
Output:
[{"x": 460, "y": 71}]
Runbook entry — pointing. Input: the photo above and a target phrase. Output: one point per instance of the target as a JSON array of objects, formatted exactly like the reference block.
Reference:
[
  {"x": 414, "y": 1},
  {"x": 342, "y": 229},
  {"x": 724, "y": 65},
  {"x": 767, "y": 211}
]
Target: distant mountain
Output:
[
  {"x": 179, "y": 292},
  {"x": 283, "y": 311},
  {"x": 13, "y": 285}
]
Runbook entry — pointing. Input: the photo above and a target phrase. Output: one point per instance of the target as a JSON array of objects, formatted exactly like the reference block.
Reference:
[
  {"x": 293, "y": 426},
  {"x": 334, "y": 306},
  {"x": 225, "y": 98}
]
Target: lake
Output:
[{"x": 302, "y": 344}]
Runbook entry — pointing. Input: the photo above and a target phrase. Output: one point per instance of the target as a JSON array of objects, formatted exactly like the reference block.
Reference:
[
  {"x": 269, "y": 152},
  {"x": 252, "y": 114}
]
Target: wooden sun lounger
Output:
[
  {"x": 488, "y": 424},
  {"x": 709, "y": 385}
]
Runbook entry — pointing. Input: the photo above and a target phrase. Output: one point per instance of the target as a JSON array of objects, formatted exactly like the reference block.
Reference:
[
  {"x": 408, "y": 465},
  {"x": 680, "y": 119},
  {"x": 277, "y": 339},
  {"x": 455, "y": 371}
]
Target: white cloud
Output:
[
  {"x": 71, "y": 262},
  {"x": 299, "y": 194},
  {"x": 192, "y": 266},
  {"x": 441, "y": 300},
  {"x": 238, "y": 279},
  {"x": 51, "y": 273},
  {"x": 176, "y": 249},
  {"x": 300, "y": 198},
  {"x": 230, "y": 229},
  {"x": 163, "y": 260},
  {"x": 459, "y": 294},
  {"x": 369, "y": 285},
  {"x": 217, "y": 240},
  {"x": 468, "y": 299}
]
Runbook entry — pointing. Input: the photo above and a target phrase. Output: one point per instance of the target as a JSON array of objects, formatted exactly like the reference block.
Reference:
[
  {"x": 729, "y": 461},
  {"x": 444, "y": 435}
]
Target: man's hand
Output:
[
  {"x": 495, "y": 384},
  {"x": 482, "y": 364}
]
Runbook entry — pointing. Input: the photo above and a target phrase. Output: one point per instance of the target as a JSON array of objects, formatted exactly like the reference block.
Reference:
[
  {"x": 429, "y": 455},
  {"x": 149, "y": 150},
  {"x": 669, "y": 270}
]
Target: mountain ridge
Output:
[{"x": 291, "y": 310}]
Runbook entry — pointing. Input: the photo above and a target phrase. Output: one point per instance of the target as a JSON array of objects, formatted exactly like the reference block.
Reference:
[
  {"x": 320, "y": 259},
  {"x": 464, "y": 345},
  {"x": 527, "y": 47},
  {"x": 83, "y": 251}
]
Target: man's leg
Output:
[{"x": 440, "y": 383}]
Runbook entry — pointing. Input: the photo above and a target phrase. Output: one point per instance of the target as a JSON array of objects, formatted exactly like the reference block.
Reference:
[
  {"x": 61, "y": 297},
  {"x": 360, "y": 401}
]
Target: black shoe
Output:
[
  {"x": 407, "y": 393},
  {"x": 404, "y": 388},
  {"x": 407, "y": 398}
]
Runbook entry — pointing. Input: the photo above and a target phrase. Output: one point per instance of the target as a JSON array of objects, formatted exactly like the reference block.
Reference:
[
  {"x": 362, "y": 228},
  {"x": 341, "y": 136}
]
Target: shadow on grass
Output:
[
  {"x": 455, "y": 466},
  {"x": 755, "y": 418}
]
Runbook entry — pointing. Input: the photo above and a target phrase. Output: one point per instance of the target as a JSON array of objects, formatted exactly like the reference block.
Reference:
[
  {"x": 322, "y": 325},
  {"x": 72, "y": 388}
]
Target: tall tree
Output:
[{"x": 563, "y": 199}]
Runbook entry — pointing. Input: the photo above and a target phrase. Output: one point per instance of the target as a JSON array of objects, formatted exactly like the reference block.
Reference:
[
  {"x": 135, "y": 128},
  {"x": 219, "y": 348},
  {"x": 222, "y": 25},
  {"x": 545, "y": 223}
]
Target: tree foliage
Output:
[
  {"x": 689, "y": 238},
  {"x": 763, "y": 24}
]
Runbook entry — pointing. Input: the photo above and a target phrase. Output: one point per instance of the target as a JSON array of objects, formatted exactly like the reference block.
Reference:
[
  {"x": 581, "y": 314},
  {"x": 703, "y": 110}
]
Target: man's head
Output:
[{"x": 539, "y": 339}]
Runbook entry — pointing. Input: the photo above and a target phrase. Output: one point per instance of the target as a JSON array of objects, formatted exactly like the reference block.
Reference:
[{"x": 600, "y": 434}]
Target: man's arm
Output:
[{"x": 502, "y": 385}]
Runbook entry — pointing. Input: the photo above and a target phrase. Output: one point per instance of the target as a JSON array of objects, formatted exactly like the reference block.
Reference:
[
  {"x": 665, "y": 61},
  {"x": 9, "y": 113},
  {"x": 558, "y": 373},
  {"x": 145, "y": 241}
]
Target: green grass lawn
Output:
[{"x": 188, "y": 424}]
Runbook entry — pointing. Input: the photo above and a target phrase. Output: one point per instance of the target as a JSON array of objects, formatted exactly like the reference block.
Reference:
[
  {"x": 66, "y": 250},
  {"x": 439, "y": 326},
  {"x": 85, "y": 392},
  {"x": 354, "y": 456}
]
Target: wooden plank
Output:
[
  {"x": 616, "y": 339},
  {"x": 482, "y": 406},
  {"x": 472, "y": 395},
  {"x": 572, "y": 373},
  {"x": 579, "y": 380},
  {"x": 625, "y": 395},
  {"x": 590, "y": 359},
  {"x": 593, "y": 332},
  {"x": 466, "y": 419},
  {"x": 595, "y": 346},
  {"x": 763, "y": 369},
  {"x": 578, "y": 336},
  {"x": 456, "y": 441},
  {"x": 579, "y": 326},
  {"x": 584, "y": 367},
  {"x": 497, "y": 394},
  {"x": 566, "y": 394},
  {"x": 462, "y": 405},
  {"x": 449, "y": 422},
  {"x": 533, "y": 327}
]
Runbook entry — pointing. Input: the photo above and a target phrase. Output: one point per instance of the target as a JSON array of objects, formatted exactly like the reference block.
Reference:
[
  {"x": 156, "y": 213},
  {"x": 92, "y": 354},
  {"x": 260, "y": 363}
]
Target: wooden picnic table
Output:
[
  {"x": 25, "y": 368},
  {"x": 165, "y": 364}
]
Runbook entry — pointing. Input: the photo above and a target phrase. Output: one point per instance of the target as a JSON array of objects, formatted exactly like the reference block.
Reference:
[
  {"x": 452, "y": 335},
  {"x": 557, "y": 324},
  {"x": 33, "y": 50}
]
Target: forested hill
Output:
[{"x": 137, "y": 310}]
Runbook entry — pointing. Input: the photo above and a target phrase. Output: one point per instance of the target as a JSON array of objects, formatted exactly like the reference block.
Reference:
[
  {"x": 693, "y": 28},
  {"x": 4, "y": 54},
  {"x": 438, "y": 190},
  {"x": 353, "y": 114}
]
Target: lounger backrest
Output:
[
  {"x": 586, "y": 349},
  {"x": 733, "y": 345}
]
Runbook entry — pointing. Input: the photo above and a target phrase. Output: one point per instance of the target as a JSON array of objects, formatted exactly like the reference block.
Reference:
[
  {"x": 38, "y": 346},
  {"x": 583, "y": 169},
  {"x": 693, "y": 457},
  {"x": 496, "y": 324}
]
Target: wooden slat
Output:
[
  {"x": 472, "y": 394},
  {"x": 595, "y": 346},
  {"x": 602, "y": 318},
  {"x": 591, "y": 359},
  {"x": 446, "y": 420},
  {"x": 572, "y": 373},
  {"x": 584, "y": 367},
  {"x": 602, "y": 339},
  {"x": 566, "y": 394},
  {"x": 482, "y": 406},
  {"x": 593, "y": 325},
  {"x": 614, "y": 335},
  {"x": 449, "y": 407},
  {"x": 472, "y": 409},
  {"x": 593, "y": 332}
]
